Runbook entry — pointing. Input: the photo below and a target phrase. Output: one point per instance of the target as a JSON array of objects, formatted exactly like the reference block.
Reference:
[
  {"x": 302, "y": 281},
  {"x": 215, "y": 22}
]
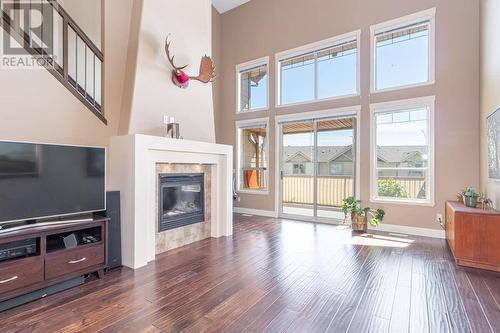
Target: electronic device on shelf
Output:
[{"x": 16, "y": 249}]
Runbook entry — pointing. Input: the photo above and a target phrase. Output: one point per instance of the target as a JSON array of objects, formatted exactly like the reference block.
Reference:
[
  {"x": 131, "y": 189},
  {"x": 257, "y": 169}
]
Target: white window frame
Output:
[
  {"x": 246, "y": 66},
  {"x": 312, "y": 47},
  {"x": 429, "y": 14},
  {"x": 394, "y": 106},
  {"x": 247, "y": 123},
  {"x": 354, "y": 111}
]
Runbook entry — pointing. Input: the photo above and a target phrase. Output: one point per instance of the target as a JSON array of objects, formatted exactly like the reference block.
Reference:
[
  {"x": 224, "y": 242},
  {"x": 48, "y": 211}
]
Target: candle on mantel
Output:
[{"x": 168, "y": 120}]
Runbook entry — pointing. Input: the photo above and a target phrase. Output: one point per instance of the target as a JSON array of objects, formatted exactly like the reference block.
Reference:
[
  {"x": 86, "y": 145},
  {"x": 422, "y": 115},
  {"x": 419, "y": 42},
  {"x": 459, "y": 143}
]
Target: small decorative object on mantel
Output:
[
  {"x": 470, "y": 197},
  {"x": 359, "y": 215},
  {"x": 181, "y": 79},
  {"x": 171, "y": 127}
]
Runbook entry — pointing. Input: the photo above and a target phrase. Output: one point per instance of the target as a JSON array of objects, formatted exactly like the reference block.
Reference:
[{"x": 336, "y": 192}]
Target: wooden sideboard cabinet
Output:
[{"x": 473, "y": 235}]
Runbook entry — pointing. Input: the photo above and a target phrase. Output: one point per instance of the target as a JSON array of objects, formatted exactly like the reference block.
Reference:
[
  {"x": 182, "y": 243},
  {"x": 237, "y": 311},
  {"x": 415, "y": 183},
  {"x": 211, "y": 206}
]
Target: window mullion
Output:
[{"x": 315, "y": 75}]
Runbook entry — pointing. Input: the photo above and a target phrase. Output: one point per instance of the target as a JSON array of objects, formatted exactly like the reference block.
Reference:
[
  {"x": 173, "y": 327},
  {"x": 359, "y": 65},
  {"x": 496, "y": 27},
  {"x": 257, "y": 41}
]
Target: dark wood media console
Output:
[{"x": 52, "y": 262}]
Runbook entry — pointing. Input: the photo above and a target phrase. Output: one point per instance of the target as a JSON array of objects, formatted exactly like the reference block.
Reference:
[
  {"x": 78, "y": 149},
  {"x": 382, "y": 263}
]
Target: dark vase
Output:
[{"x": 470, "y": 201}]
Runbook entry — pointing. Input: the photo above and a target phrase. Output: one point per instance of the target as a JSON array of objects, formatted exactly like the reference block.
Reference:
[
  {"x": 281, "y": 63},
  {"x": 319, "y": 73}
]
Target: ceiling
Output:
[{"x": 223, "y": 6}]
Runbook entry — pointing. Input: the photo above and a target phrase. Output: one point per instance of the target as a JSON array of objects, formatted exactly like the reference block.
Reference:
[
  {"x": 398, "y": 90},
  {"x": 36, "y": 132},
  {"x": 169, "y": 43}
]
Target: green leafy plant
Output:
[
  {"x": 470, "y": 192},
  {"x": 352, "y": 206},
  {"x": 391, "y": 188}
]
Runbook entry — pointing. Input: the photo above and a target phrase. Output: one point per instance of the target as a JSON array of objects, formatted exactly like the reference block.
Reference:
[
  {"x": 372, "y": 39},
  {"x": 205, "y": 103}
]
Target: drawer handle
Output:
[
  {"x": 9, "y": 280},
  {"x": 77, "y": 261}
]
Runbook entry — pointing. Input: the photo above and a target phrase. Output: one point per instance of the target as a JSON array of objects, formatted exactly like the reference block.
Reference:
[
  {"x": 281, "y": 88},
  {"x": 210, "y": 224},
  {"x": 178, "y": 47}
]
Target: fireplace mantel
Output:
[{"x": 132, "y": 161}]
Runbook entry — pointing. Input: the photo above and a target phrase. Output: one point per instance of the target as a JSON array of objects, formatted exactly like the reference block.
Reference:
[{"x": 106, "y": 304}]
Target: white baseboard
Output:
[
  {"x": 399, "y": 229},
  {"x": 402, "y": 229},
  {"x": 258, "y": 212}
]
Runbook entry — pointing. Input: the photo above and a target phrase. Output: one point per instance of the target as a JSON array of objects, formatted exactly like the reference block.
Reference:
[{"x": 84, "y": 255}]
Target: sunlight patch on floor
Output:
[
  {"x": 379, "y": 240},
  {"x": 343, "y": 227}
]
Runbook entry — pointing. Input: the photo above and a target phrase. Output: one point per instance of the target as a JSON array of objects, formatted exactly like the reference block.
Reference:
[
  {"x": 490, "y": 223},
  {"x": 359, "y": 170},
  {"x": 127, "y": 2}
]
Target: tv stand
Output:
[{"x": 65, "y": 250}]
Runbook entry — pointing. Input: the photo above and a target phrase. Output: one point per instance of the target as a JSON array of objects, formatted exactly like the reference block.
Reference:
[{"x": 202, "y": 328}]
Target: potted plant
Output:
[
  {"x": 470, "y": 197},
  {"x": 359, "y": 215}
]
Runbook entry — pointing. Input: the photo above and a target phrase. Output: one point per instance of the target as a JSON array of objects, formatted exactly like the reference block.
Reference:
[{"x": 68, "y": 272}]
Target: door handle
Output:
[
  {"x": 9, "y": 280},
  {"x": 77, "y": 261}
]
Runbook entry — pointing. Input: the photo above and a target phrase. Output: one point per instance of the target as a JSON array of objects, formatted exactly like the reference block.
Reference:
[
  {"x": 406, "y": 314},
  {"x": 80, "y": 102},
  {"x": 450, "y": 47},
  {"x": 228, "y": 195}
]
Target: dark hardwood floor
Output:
[{"x": 280, "y": 276}]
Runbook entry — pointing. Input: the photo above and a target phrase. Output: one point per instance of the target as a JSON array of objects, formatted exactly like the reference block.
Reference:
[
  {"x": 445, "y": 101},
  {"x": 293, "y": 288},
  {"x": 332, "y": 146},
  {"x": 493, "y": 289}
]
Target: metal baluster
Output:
[
  {"x": 41, "y": 35},
  {"x": 85, "y": 70},
  {"x": 65, "y": 49},
  {"x": 95, "y": 99},
  {"x": 76, "y": 61},
  {"x": 30, "y": 41}
]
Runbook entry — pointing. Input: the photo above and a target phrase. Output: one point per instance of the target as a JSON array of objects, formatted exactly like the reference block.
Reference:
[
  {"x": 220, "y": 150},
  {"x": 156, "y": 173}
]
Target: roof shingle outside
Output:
[{"x": 390, "y": 154}]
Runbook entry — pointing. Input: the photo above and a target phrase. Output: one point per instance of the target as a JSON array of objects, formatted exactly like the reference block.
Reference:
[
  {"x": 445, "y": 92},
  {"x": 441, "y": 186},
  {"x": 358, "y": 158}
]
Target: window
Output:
[
  {"x": 252, "y": 155},
  {"x": 336, "y": 169},
  {"x": 252, "y": 84},
  {"x": 319, "y": 71},
  {"x": 403, "y": 151},
  {"x": 403, "y": 52},
  {"x": 299, "y": 169}
]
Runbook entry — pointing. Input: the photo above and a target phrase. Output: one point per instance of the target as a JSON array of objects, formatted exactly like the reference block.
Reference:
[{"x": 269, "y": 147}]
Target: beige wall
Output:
[
  {"x": 490, "y": 86},
  {"x": 217, "y": 57},
  {"x": 36, "y": 107},
  {"x": 153, "y": 94},
  {"x": 265, "y": 27},
  {"x": 87, "y": 14}
]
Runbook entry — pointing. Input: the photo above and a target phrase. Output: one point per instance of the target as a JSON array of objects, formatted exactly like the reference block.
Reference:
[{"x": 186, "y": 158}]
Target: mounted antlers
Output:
[
  {"x": 180, "y": 79},
  {"x": 207, "y": 70}
]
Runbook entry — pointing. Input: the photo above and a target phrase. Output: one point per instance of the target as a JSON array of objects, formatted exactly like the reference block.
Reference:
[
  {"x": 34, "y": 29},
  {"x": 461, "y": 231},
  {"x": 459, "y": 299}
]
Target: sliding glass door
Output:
[
  {"x": 317, "y": 167},
  {"x": 297, "y": 168}
]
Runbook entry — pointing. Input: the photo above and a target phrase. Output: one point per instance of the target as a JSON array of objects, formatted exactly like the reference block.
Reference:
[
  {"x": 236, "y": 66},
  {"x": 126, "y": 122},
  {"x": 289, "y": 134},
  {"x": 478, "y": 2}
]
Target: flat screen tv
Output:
[{"x": 39, "y": 181}]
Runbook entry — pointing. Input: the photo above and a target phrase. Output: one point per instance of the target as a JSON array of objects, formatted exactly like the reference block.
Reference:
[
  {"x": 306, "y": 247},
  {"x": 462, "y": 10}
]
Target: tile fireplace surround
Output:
[
  {"x": 135, "y": 162},
  {"x": 170, "y": 239}
]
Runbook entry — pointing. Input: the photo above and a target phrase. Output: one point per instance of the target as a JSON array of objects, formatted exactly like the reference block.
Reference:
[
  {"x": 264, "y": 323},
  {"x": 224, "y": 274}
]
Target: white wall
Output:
[{"x": 153, "y": 93}]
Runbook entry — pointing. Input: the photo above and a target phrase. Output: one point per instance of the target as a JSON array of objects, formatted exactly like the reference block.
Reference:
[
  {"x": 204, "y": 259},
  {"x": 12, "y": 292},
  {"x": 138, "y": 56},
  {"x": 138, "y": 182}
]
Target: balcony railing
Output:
[
  {"x": 75, "y": 60},
  {"x": 333, "y": 189}
]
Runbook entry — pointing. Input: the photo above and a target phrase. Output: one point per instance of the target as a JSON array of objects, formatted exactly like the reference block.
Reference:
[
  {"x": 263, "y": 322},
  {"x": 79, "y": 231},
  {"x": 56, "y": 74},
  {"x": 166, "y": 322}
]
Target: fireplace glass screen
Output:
[{"x": 181, "y": 200}]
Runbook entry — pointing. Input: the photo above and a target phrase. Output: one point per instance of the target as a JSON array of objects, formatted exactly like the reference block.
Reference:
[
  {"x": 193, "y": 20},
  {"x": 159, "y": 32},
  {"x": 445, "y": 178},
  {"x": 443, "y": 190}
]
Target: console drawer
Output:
[
  {"x": 19, "y": 273},
  {"x": 68, "y": 261}
]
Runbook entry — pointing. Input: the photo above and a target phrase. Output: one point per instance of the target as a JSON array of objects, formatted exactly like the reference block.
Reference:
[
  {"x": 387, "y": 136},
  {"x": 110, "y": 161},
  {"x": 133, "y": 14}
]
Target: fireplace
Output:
[{"x": 181, "y": 200}]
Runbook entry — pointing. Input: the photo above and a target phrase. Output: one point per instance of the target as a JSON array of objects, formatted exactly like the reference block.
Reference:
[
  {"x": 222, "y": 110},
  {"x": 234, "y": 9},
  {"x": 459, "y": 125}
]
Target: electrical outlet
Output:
[
  {"x": 439, "y": 218},
  {"x": 238, "y": 199}
]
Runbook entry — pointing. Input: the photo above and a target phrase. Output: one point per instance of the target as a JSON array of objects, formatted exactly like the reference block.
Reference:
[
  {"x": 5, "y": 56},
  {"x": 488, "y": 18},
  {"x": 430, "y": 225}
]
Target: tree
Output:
[{"x": 389, "y": 187}]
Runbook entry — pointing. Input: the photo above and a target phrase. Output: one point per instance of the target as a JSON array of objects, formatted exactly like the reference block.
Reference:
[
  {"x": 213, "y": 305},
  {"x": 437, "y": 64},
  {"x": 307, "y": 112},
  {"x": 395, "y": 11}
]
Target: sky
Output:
[
  {"x": 326, "y": 138},
  {"x": 400, "y": 63}
]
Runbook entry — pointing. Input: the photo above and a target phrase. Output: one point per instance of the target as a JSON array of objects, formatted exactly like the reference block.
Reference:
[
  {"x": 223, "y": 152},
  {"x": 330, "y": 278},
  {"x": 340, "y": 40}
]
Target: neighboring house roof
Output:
[
  {"x": 325, "y": 153},
  {"x": 398, "y": 154},
  {"x": 389, "y": 154},
  {"x": 298, "y": 156}
]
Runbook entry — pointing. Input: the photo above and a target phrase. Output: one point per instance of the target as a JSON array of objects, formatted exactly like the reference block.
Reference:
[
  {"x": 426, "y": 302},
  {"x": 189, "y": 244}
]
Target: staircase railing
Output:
[{"x": 74, "y": 59}]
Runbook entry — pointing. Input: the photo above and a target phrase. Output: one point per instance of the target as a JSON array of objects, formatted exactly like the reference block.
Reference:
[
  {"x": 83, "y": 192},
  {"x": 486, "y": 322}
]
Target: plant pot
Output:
[
  {"x": 470, "y": 201},
  {"x": 359, "y": 223}
]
